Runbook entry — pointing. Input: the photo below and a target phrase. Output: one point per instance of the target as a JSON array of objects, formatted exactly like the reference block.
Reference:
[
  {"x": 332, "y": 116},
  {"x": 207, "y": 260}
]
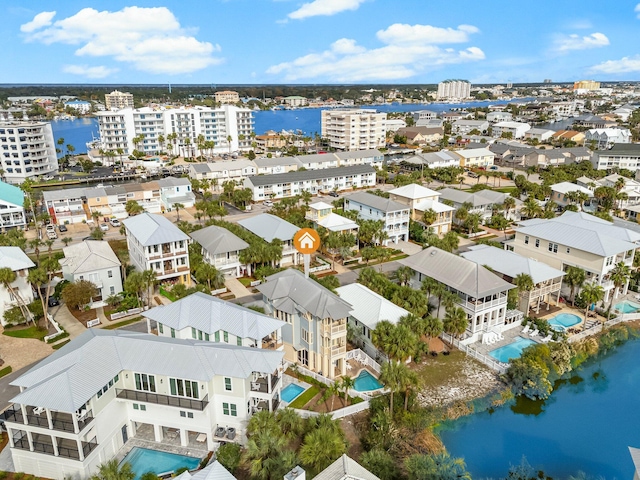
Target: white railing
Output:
[
  {"x": 126, "y": 313},
  {"x": 361, "y": 357},
  {"x": 255, "y": 283},
  {"x": 326, "y": 381},
  {"x": 219, "y": 291},
  {"x": 93, "y": 323},
  {"x": 320, "y": 268},
  {"x": 625, "y": 317},
  {"x": 339, "y": 413},
  {"x": 59, "y": 331},
  {"x": 472, "y": 352}
]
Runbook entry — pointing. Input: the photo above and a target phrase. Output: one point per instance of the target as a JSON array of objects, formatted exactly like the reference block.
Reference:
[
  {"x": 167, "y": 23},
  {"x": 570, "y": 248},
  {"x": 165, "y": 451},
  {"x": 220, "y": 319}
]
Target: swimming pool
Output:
[
  {"x": 513, "y": 350},
  {"x": 290, "y": 392},
  {"x": 366, "y": 382},
  {"x": 563, "y": 321},
  {"x": 144, "y": 460},
  {"x": 627, "y": 307}
]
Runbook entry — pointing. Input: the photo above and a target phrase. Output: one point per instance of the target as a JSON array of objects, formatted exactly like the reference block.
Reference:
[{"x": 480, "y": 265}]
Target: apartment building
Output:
[
  {"x": 453, "y": 90},
  {"x": 156, "y": 244},
  {"x": 11, "y": 207},
  {"x": 94, "y": 261},
  {"x": 118, "y": 100},
  {"x": 561, "y": 193},
  {"x": 269, "y": 227},
  {"x": 66, "y": 206},
  {"x": 620, "y": 155},
  {"x": 80, "y": 106},
  {"x": 464, "y": 127},
  {"x": 581, "y": 240},
  {"x": 420, "y": 199},
  {"x": 227, "y": 96},
  {"x": 220, "y": 172},
  {"x": 221, "y": 248},
  {"x": 394, "y": 215},
  {"x": 482, "y": 294},
  {"x": 315, "y": 334},
  {"x": 475, "y": 157},
  {"x": 605, "y": 138},
  {"x": 15, "y": 259},
  {"x": 424, "y": 115},
  {"x": 354, "y": 129},
  {"x": 77, "y": 408},
  {"x": 177, "y": 130},
  {"x": 28, "y": 150},
  {"x": 326, "y": 180},
  {"x": 274, "y": 165}
]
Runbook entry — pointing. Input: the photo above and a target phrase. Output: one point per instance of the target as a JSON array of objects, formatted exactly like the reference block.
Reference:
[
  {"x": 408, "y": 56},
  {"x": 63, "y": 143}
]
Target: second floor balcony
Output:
[
  {"x": 52, "y": 420},
  {"x": 148, "y": 397}
]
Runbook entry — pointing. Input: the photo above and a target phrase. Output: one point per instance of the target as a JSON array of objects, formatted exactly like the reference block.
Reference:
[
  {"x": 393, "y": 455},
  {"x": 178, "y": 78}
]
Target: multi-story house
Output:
[
  {"x": 326, "y": 180},
  {"x": 494, "y": 117},
  {"x": 482, "y": 294},
  {"x": 118, "y": 100},
  {"x": 394, "y": 215},
  {"x": 80, "y": 106},
  {"x": 483, "y": 202},
  {"x": 421, "y": 199},
  {"x": 621, "y": 155},
  {"x": 354, "y": 129},
  {"x": 561, "y": 193},
  {"x": 475, "y": 157},
  {"x": 176, "y": 190},
  {"x": 321, "y": 214},
  {"x": 368, "y": 309},
  {"x": 220, "y": 172},
  {"x": 15, "y": 259},
  {"x": 269, "y": 227},
  {"x": 95, "y": 262},
  {"x": 581, "y": 240},
  {"x": 424, "y": 115},
  {"x": 270, "y": 141},
  {"x": 66, "y": 206},
  {"x": 568, "y": 135},
  {"x": 227, "y": 96},
  {"x": 28, "y": 150},
  {"x": 464, "y": 127},
  {"x": 516, "y": 129},
  {"x": 157, "y": 244},
  {"x": 539, "y": 134},
  {"x": 315, "y": 334},
  {"x": 441, "y": 159},
  {"x": 274, "y": 165},
  {"x": 221, "y": 248},
  {"x": 605, "y": 138},
  {"x": 77, "y": 408},
  {"x": 422, "y": 135},
  {"x": 547, "y": 281},
  {"x": 11, "y": 207},
  {"x": 319, "y": 161},
  {"x": 205, "y": 318}
]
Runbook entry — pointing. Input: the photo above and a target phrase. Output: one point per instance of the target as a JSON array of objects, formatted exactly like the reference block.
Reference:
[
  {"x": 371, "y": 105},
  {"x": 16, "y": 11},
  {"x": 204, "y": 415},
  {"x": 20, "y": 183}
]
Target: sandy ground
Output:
[{"x": 20, "y": 352}]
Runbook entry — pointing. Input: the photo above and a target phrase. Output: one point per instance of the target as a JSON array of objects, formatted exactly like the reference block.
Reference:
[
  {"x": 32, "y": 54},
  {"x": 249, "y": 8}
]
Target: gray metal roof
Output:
[
  {"x": 345, "y": 468},
  {"x": 277, "y": 161},
  {"x": 370, "y": 308},
  {"x": 414, "y": 191},
  {"x": 151, "y": 229},
  {"x": 14, "y": 258},
  {"x": 477, "y": 199},
  {"x": 210, "y": 314},
  {"x": 318, "y": 158},
  {"x": 173, "y": 182},
  {"x": 89, "y": 256},
  {"x": 457, "y": 272},
  {"x": 52, "y": 195},
  {"x": 291, "y": 291},
  {"x": 510, "y": 263},
  {"x": 374, "y": 201},
  {"x": 213, "y": 471},
  {"x": 269, "y": 226},
  {"x": 71, "y": 376},
  {"x": 310, "y": 175},
  {"x": 359, "y": 154},
  {"x": 217, "y": 240}
]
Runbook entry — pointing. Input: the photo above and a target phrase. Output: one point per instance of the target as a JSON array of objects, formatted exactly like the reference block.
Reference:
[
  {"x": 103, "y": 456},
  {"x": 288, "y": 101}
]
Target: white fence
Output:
[
  {"x": 320, "y": 268},
  {"x": 327, "y": 381},
  {"x": 219, "y": 291},
  {"x": 361, "y": 357},
  {"x": 126, "y": 313},
  {"x": 340, "y": 413},
  {"x": 93, "y": 323},
  {"x": 625, "y": 317},
  {"x": 59, "y": 331},
  {"x": 472, "y": 352},
  {"x": 255, "y": 283}
]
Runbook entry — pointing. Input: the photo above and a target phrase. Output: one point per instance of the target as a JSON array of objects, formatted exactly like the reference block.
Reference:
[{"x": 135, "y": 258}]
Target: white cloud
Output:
[
  {"x": 400, "y": 58},
  {"x": 624, "y": 65},
  {"x": 324, "y": 7},
  {"x": 637, "y": 10},
  {"x": 567, "y": 43},
  {"x": 150, "y": 39},
  {"x": 89, "y": 72},
  {"x": 43, "y": 19}
]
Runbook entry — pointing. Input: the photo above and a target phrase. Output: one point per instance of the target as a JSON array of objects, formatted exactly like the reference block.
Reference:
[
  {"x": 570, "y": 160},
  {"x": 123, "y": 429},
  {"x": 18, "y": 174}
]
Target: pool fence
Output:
[
  {"x": 625, "y": 317},
  {"x": 472, "y": 352}
]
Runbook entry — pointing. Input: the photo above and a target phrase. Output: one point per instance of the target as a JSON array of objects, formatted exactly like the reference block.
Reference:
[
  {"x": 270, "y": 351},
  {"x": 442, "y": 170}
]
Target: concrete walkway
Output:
[
  {"x": 62, "y": 315},
  {"x": 235, "y": 287}
]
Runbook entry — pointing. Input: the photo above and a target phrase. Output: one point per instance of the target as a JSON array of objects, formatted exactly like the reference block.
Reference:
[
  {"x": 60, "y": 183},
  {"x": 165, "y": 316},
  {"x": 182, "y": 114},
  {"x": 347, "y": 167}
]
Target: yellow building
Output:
[{"x": 586, "y": 85}]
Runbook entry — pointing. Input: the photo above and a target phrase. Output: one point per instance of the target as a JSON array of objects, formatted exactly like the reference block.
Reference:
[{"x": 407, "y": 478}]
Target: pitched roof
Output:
[
  {"x": 337, "y": 223},
  {"x": 375, "y": 201},
  {"x": 216, "y": 240},
  {"x": 566, "y": 187},
  {"x": 290, "y": 291},
  {"x": 457, "y": 272},
  {"x": 477, "y": 199},
  {"x": 173, "y": 182},
  {"x": 11, "y": 194},
  {"x": 306, "y": 175},
  {"x": 69, "y": 377},
  {"x": 210, "y": 314},
  {"x": 359, "y": 154},
  {"x": 213, "y": 471},
  {"x": 475, "y": 152},
  {"x": 151, "y": 229},
  {"x": 414, "y": 191},
  {"x": 345, "y": 468},
  {"x": 89, "y": 256},
  {"x": 370, "y": 308},
  {"x": 510, "y": 263},
  {"x": 14, "y": 258},
  {"x": 269, "y": 226}
]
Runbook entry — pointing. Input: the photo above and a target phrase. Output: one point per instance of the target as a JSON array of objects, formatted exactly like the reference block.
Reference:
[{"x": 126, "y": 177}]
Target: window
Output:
[
  {"x": 225, "y": 336},
  {"x": 568, "y": 250},
  {"x": 193, "y": 332},
  {"x": 610, "y": 261},
  {"x": 145, "y": 382},
  {"x": 199, "y": 335},
  {"x": 239, "y": 341},
  {"x": 140, "y": 406},
  {"x": 217, "y": 336},
  {"x": 183, "y": 388},
  {"x": 229, "y": 409},
  {"x": 227, "y": 384},
  {"x": 526, "y": 239},
  {"x": 537, "y": 242},
  {"x": 189, "y": 414},
  {"x": 173, "y": 333},
  {"x": 160, "y": 328},
  {"x": 553, "y": 247},
  {"x": 110, "y": 273},
  {"x": 307, "y": 336},
  {"x": 206, "y": 337}
]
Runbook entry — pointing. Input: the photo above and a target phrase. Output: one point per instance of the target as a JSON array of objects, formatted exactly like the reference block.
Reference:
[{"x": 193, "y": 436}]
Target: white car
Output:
[
  {"x": 268, "y": 203},
  {"x": 104, "y": 227},
  {"x": 52, "y": 234}
]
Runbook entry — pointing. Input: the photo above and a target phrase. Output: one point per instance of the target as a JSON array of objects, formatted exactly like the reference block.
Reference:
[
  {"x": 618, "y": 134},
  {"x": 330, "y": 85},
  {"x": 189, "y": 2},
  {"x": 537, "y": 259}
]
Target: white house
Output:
[
  {"x": 421, "y": 199},
  {"x": 540, "y": 134},
  {"x": 561, "y": 192},
  {"x": 620, "y": 155},
  {"x": 11, "y": 207},
  {"x": 220, "y": 172},
  {"x": 94, "y": 261},
  {"x": 268, "y": 227},
  {"x": 221, "y": 248},
  {"x": 15, "y": 259},
  {"x": 157, "y": 244},
  {"x": 517, "y": 129},
  {"x": 605, "y": 138},
  {"x": 394, "y": 215},
  {"x": 176, "y": 190},
  {"x": 321, "y": 214},
  {"x": 475, "y": 157},
  {"x": 80, "y": 106},
  {"x": 463, "y": 126},
  {"x": 77, "y": 408}
]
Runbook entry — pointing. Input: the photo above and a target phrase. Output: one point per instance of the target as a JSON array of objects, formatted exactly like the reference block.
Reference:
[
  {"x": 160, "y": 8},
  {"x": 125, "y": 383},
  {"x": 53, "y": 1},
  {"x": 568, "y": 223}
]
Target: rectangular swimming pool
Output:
[
  {"x": 290, "y": 392},
  {"x": 513, "y": 350},
  {"x": 144, "y": 460}
]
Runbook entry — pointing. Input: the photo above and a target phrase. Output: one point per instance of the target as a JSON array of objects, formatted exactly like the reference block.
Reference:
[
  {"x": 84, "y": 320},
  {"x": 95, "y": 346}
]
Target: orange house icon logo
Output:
[{"x": 306, "y": 241}]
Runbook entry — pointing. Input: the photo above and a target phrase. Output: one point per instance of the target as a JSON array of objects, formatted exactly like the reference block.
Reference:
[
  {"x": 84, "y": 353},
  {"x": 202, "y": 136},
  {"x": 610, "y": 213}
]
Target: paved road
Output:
[{"x": 7, "y": 392}]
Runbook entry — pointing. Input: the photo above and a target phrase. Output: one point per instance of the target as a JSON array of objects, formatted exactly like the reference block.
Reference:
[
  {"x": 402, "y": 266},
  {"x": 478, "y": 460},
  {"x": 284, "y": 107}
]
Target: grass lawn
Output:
[
  {"x": 305, "y": 397},
  {"x": 246, "y": 281},
  {"x": 167, "y": 294},
  {"x": 437, "y": 373},
  {"x": 5, "y": 371},
  {"x": 29, "y": 332}
]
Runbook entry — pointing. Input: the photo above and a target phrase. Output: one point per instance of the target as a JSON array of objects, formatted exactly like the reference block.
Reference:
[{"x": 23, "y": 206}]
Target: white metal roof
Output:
[
  {"x": 210, "y": 314},
  {"x": 475, "y": 152},
  {"x": 89, "y": 256},
  {"x": 566, "y": 187},
  {"x": 71, "y": 376},
  {"x": 414, "y": 191},
  {"x": 269, "y": 226},
  {"x": 320, "y": 206},
  {"x": 217, "y": 240},
  {"x": 151, "y": 229},
  {"x": 14, "y": 258},
  {"x": 374, "y": 201},
  {"x": 370, "y": 308},
  {"x": 337, "y": 223},
  {"x": 434, "y": 205},
  {"x": 345, "y": 468},
  {"x": 213, "y": 471}
]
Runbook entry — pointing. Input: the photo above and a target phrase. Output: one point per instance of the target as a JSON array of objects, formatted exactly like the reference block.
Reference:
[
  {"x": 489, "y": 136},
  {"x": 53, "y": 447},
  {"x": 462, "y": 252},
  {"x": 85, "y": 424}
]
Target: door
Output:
[{"x": 125, "y": 436}]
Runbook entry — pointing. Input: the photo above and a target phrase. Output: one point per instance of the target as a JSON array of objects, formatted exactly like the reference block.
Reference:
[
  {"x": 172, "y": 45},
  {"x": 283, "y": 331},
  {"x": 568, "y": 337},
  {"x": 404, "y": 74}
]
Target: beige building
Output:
[
  {"x": 586, "y": 85},
  {"x": 421, "y": 199},
  {"x": 227, "y": 96},
  {"x": 354, "y": 129},
  {"x": 118, "y": 100},
  {"x": 475, "y": 157}
]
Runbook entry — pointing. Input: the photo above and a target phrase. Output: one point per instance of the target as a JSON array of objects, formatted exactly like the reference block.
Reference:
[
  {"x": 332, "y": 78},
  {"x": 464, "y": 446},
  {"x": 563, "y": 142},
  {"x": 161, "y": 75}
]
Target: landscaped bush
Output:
[{"x": 3, "y": 372}]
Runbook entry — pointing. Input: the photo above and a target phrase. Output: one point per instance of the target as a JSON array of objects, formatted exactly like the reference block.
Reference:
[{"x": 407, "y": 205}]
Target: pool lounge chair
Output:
[
  {"x": 547, "y": 338},
  {"x": 526, "y": 329},
  {"x": 534, "y": 333}
]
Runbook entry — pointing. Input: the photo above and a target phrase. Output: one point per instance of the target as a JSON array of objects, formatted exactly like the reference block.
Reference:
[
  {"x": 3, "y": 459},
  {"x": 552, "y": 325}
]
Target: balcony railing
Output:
[
  {"x": 66, "y": 448},
  {"x": 148, "y": 397},
  {"x": 60, "y": 420}
]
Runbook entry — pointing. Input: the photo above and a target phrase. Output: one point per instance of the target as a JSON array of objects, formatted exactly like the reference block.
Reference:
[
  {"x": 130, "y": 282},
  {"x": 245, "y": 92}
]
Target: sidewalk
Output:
[
  {"x": 63, "y": 316},
  {"x": 235, "y": 287}
]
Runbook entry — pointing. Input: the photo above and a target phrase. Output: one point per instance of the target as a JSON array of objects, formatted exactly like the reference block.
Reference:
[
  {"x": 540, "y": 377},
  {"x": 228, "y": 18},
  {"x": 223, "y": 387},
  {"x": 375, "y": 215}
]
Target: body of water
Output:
[
  {"x": 587, "y": 425},
  {"x": 75, "y": 132}
]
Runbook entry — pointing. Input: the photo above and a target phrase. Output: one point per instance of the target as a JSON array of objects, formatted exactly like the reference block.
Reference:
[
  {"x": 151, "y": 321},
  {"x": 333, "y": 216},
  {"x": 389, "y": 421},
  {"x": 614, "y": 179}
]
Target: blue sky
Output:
[{"x": 318, "y": 41}]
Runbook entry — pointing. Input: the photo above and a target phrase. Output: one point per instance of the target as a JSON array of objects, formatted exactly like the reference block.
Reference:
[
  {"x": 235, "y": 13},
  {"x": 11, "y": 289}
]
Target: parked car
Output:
[
  {"x": 472, "y": 174},
  {"x": 333, "y": 194},
  {"x": 62, "y": 228},
  {"x": 493, "y": 167},
  {"x": 268, "y": 203},
  {"x": 53, "y": 301},
  {"x": 114, "y": 222},
  {"x": 104, "y": 227},
  {"x": 52, "y": 234}
]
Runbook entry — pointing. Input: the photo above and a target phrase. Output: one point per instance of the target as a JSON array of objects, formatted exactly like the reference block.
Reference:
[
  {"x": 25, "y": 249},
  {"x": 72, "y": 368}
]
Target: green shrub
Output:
[
  {"x": 305, "y": 397},
  {"x": 3, "y": 372},
  {"x": 229, "y": 456}
]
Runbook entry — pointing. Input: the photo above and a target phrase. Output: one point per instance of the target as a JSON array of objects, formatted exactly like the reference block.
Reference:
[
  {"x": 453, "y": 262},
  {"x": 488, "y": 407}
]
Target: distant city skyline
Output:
[{"x": 318, "y": 42}]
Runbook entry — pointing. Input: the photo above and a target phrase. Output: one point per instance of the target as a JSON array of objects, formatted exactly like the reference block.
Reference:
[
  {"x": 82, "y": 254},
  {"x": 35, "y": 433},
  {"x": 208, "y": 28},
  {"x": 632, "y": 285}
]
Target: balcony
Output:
[
  {"x": 262, "y": 384},
  {"x": 148, "y": 397},
  {"x": 66, "y": 448},
  {"x": 334, "y": 329},
  {"x": 59, "y": 420}
]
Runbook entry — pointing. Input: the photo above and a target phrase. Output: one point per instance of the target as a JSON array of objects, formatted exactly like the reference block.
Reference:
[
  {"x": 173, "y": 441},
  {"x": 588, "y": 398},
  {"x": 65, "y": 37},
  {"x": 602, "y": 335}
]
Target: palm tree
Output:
[
  {"x": 331, "y": 392},
  {"x": 619, "y": 276},
  {"x": 429, "y": 217},
  {"x": 524, "y": 282},
  {"x": 408, "y": 380},
  {"x": 35, "y": 244},
  {"x": 531, "y": 208},
  {"x": 178, "y": 206},
  {"x": 111, "y": 470},
  {"x": 149, "y": 279},
  {"x": 265, "y": 455},
  {"x": 591, "y": 294},
  {"x": 574, "y": 277},
  {"x": 455, "y": 321},
  {"x": 322, "y": 447},
  {"x": 509, "y": 203},
  {"x": 66, "y": 241},
  {"x": 345, "y": 384},
  {"x": 391, "y": 376},
  {"x": 7, "y": 277}
]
